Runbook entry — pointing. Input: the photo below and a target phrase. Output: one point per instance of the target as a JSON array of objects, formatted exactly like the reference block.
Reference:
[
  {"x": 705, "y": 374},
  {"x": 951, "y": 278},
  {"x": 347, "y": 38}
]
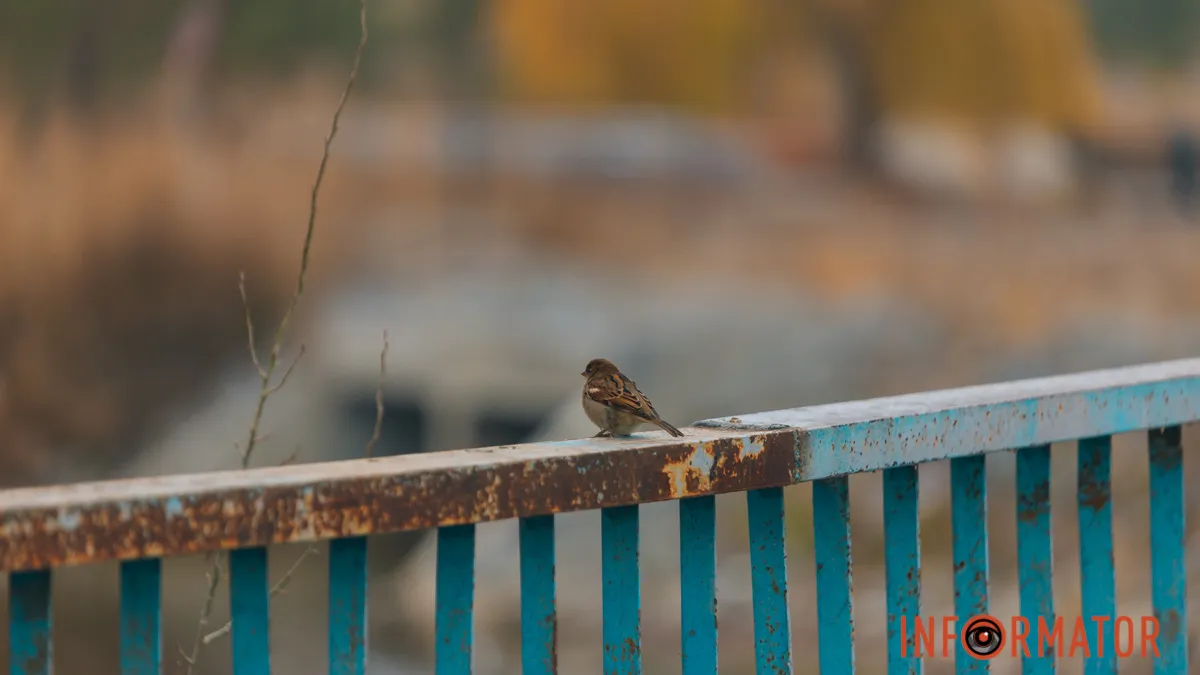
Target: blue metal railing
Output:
[{"x": 141, "y": 521}]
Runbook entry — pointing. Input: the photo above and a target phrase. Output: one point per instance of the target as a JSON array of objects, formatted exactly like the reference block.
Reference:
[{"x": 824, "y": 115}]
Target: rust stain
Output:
[
  {"x": 1170, "y": 624},
  {"x": 416, "y": 492},
  {"x": 631, "y": 650},
  {"x": 1093, "y": 494},
  {"x": 178, "y": 515},
  {"x": 1035, "y": 503}
]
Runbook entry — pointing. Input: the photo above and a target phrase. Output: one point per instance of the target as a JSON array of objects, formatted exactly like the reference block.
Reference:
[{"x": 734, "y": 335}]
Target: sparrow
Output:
[{"x": 613, "y": 402}]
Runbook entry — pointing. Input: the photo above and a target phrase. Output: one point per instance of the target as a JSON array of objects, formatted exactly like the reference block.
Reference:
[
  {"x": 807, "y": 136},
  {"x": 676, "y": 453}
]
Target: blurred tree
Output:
[
  {"x": 690, "y": 53},
  {"x": 993, "y": 59},
  {"x": 989, "y": 61}
]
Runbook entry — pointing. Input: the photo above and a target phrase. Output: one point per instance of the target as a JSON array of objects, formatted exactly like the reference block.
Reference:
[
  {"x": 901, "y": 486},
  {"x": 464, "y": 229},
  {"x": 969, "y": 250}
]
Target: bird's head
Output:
[{"x": 599, "y": 367}]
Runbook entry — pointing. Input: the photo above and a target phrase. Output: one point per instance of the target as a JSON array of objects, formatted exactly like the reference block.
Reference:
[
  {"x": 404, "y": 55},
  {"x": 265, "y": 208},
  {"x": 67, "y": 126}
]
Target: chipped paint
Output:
[
  {"x": 751, "y": 448},
  {"x": 1168, "y": 546},
  {"x": 174, "y": 515},
  {"x": 696, "y": 470}
]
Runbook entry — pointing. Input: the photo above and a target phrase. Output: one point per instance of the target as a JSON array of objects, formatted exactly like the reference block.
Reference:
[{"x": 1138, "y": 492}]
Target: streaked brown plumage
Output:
[{"x": 613, "y": 402}]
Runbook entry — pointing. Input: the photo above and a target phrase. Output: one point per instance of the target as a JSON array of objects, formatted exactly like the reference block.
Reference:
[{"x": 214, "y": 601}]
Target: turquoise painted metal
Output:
[
  {"x": 139, "y": 522},
  {"x": 968, "y": 522},
  {"x": 1096, "y": 551},
  {"x": 455, "y": 620},
  {"x": 141, "y": 619},
  {"x": 539, "y": 613},
  {"x": 698, "y": 585},
  {"x": 348, "y": 606},
  {"x": 835, "y": 604},
  {"x": 902, "y": 535},
  {"x": 622, "y": 594},
  {"x": 30, "y": 642},
  {"x": 1168, "y": 564},
  {"x": 249, "y": 605},
  {"x": 1035, "y": 553},
  {"x": 768, "y": 579}
]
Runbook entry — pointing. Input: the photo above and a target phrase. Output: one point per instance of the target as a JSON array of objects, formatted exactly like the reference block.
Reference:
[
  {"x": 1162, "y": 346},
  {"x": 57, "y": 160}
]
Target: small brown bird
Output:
[{"x": 614, "y": 403}]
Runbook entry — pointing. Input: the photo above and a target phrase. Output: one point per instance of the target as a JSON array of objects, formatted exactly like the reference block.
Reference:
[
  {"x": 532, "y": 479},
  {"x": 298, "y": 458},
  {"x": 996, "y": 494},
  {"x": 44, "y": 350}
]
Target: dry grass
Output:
[{"x": 119, "y": 269}]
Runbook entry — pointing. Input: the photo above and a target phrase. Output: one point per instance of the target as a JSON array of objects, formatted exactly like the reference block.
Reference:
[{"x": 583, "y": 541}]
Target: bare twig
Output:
[
  {"x": 249, "y": 325},
  {"x": 279, "y": 587},
  {"x": 291, "y": 459},
  {"x": 214, "y": 581},
  {"x": 305, "y": 253},
  {"x": 286, "y": 374},
  {"x": 265, "y": 373},
  {"x": 370, "y": 450}
]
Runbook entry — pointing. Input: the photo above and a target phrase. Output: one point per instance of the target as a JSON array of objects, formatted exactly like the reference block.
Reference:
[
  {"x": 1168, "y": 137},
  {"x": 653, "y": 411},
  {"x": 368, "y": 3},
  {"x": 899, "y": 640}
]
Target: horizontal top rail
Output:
[{"x": 91, "y": 522}]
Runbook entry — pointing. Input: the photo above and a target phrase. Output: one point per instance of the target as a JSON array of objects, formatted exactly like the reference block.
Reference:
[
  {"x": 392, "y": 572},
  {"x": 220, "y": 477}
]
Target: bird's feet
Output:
[{"x": 604, "y": 433}]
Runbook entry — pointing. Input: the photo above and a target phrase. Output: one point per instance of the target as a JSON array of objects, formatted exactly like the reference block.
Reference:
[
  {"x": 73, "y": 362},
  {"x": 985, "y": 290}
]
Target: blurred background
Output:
[{"x": 746, "y": 205}]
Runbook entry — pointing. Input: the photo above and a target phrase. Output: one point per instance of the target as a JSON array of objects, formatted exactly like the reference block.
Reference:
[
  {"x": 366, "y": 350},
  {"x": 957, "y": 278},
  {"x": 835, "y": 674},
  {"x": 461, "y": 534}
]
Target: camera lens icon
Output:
[{"x": 983, "y": 637}]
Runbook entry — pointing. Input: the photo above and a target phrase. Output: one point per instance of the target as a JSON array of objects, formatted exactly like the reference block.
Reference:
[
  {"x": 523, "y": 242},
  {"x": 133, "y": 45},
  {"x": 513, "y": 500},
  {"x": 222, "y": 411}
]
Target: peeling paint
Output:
[
  {"x": 176, "y": 515},
  {"x": 751, "y": 449}
]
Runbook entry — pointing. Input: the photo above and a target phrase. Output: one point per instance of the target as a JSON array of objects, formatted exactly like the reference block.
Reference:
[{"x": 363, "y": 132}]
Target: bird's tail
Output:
[{"x": 668, "y": 428}]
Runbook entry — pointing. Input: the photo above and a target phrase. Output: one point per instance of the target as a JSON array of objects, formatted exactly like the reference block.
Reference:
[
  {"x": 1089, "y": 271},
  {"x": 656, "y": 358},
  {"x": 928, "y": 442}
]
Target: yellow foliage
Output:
[
  {"x": 981, "y": 60},
  {"x": 985, "y": 60},
  {"x": 690, "y": 53}
]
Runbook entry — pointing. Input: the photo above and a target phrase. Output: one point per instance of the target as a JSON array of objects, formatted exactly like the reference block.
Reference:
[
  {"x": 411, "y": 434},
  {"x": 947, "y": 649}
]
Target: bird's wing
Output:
[{"x": 621, "y": 393}]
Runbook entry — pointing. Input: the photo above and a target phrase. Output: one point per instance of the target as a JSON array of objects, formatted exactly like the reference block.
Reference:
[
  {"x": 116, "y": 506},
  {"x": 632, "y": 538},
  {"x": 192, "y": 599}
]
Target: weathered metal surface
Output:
[
  {"x": 249, "y": 607},
  {"x": 348, "y": 606},
  {"x": 1168, "y": 564},
  {"x": 902, "y": 535},
  {"x": 1035, "y": 550},
  {"x": 622, "y": 593},
  {"x": 454, "y": 623},
  {"x": 969, "y": 526},
  {"x": 539, "y": 613},
  {"x": 189, "y": 514},
  {"x": 1096, "y": 548},
  {"x": 698, "y": 584},
  {"x": 141, "y": 617},
  {"x": 835, "y": 601},
  {"x": 768, "y": 582},
  {"x": 30, "y": 624}
]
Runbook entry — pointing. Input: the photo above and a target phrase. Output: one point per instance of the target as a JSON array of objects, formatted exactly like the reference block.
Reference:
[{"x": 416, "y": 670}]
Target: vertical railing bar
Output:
[
  {"x": 455, "y": 595},
  {"x": 249, "y": 603},
  {"x": 968, "y": 517},
  {"x": 348, "y": 606},
  {"x": 30, "y": 624},
  {"x": 902, "y": 536},
  {"x": 1096, "y": 549},
  {"x": 768, "y": 578},
  {"x": 1168, "y": 557},
  {"x": 835, "y": 600},
  {"x": 769, "y": 585},
  {"x": 698, "y": 584},
  {"x": 539, "y": 614},
  {"x": 1035, "y": 555},
  {"x": 141, "y": 617},
  {"x": 622, "y": 597}
]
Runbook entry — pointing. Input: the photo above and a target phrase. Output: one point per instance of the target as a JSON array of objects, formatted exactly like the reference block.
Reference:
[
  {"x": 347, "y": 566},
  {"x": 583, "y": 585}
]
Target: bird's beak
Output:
[{"x": 584, "y": 374}]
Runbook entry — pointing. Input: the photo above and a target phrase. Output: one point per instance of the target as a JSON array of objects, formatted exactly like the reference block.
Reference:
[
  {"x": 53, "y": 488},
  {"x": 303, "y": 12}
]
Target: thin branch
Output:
[
  {"x": 279, "y": 587},
  {"x": 265, "y": 373},
  {"x": 370, "y": 450},
  {"x": 287, "y": 373},
  {"x": 312, "y": 209},
  {"x": 214, "y": 582},
  {"x": 306, "y": 251},
  {"x": 249, "y": 325},
  {"x": 291, "y": 459}
]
